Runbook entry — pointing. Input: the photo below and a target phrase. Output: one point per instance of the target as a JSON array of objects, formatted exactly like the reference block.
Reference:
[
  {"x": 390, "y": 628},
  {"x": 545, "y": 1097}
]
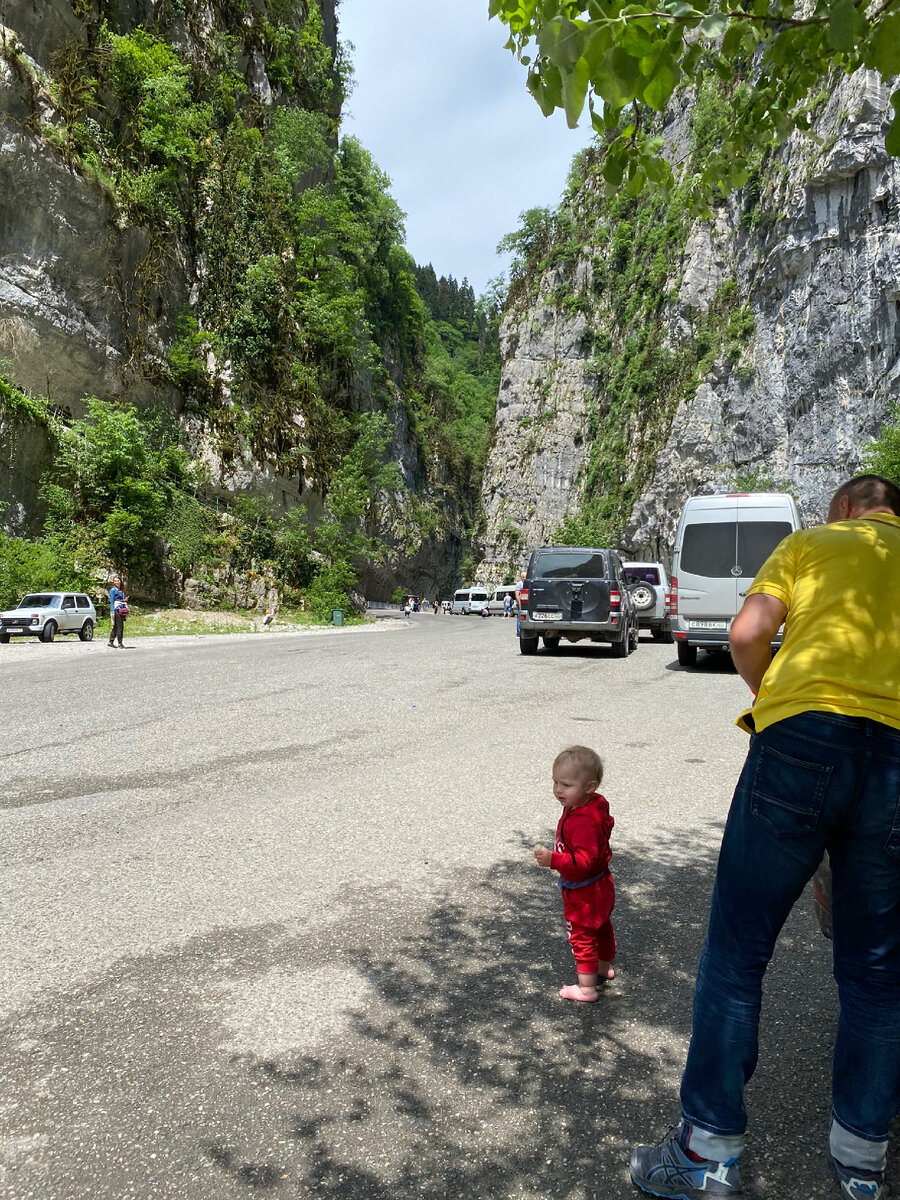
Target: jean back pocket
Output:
[{"x": 788, "y": 792}]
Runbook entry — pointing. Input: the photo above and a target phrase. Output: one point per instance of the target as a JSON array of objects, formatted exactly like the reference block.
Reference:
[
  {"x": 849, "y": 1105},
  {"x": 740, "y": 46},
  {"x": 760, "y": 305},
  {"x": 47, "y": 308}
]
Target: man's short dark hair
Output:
[{"x": 871, "y": 491}]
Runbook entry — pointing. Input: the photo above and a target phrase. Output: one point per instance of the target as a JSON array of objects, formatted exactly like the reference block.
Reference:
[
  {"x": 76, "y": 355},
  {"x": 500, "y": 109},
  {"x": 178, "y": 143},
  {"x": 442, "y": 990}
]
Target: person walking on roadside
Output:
[
  {"x": 521, "y": 591},
  {"x": 118, "y": 611},
  {"x": 822, "y": 773}
]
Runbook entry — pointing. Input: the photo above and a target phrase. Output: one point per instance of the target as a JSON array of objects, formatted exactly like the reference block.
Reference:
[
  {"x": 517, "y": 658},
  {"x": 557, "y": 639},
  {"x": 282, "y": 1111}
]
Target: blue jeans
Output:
[{"x": 812, "y": 782}]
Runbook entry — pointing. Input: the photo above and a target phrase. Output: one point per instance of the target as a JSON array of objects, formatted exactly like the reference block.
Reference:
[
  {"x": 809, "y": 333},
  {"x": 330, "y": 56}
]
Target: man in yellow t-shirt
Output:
[{"x": 822, "y": 773}]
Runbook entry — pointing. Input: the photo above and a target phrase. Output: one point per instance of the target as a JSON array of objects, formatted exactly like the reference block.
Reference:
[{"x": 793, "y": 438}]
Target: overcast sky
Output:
[{"x": 443, "y": 109}]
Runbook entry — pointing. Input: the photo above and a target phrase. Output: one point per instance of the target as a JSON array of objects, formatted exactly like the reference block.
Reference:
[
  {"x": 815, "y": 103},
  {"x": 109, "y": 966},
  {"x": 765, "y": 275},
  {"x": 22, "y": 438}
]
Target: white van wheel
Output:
[{"x": 687, "y": 655}]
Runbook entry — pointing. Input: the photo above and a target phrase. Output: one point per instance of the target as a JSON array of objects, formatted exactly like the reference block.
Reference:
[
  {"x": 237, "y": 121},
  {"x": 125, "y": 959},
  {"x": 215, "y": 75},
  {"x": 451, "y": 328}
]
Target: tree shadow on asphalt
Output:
[
  {"x": 454, "y": 1069},
  {"x": 468, "y": 1076}
]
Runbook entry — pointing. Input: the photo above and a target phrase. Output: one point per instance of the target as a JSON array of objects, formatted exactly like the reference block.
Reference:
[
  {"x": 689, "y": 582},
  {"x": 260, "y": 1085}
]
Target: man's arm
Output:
[{"x": 751, "y": 635}]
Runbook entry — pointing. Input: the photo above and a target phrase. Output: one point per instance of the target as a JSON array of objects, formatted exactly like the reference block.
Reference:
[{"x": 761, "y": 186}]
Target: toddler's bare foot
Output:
[
  {"x": 574, "y": 991},
  {"x": 606, "y": 972}
]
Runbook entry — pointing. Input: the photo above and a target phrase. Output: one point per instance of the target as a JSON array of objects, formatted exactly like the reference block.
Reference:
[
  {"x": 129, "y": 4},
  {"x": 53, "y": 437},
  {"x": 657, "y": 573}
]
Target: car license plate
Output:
[
  {"x": 547, "y": 616},
  {"x": 707, "y": 624}
]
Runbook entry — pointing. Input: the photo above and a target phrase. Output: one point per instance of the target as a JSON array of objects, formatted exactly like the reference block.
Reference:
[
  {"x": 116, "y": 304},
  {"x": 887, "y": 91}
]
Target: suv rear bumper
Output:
[{"x": 567, "y": 628}]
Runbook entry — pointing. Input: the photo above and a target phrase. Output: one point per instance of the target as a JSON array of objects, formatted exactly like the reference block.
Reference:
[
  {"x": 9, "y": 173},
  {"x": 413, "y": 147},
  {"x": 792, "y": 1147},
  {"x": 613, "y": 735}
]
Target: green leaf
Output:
[
  {"x": 733, "y": 40},
  {"x": 846, "y": 25},
  {"x": 658, "y": 170},
  {"x": 714, "y": 25},
  {"x": 660, "y": 87},
  {"x": 883, "y": 50},
  {"x": 560, "y": 40},
  {"x": 683, "y": 9},
  {"x": 636, "y": 41},
  {"x": 598, "y": 38},
  {"x": 535, "y": 85},
  {"x": 574, "y": 87},
  {"x": 615, "y": 76},
  {"x": 613, "y": 169},
  {"x": 553, "y": 86},
  {"x": 635, "y": 184}
]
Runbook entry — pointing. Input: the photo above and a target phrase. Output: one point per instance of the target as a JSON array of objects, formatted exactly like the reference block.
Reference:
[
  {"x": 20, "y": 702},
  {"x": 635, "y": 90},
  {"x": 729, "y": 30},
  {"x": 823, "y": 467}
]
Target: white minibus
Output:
[
  {"x": 495, "y": 604},
  {"x": 469, "y": 600},
  {"x": 721, "y": 543}
]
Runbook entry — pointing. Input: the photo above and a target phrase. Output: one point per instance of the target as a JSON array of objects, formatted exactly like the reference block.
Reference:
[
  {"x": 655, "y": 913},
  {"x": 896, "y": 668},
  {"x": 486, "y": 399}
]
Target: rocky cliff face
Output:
[
  {"x": 811, "y": 255},
  {"x": 97, "y": 276}
]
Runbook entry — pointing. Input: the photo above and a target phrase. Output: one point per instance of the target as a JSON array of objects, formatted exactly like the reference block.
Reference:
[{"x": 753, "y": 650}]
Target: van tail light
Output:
[
  {"x": 673, "y": 598},
  {"x": 615, "y": 600},
  {"x": 523, "y": 596},
  {"x": 668, "y": 603}
]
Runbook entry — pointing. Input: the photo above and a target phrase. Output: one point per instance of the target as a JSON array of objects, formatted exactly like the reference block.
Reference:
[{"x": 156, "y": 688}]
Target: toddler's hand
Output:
[{"x": 543, "y": 856}]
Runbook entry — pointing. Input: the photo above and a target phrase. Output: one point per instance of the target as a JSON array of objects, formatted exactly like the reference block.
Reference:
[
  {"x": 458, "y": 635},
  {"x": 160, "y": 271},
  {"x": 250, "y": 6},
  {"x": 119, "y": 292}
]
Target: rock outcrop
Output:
[
  {"x": 814, "y": 255},
  {"x": 94, "y": 289}
]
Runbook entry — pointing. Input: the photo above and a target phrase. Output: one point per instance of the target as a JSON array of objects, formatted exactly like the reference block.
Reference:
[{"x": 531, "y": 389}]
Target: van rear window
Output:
[
  {"x": 757, "y": 540},
  {"x": 574, "y": 564},
  {"x": 711, "y": 549},
  {"x": 642, "y": 574}
]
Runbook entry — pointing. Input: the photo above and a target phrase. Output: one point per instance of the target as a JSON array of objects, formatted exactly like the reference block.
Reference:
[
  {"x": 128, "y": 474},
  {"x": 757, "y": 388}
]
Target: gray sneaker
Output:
[
  {"x": 668, "y": 1170},
  {"x": 857, "y": 1183}
]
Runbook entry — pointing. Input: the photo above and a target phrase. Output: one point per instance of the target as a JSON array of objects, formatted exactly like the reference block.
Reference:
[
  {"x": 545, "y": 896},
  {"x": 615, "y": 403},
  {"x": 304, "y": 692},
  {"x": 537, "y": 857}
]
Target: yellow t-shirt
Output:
[{"x": 841, "y": 647}]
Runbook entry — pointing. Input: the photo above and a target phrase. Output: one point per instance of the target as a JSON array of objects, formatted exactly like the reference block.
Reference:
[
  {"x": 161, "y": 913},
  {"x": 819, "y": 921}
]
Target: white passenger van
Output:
[
  {"x": 495, "y": 604},
  {"x": 469, "y": 600},
  {"x": 721, "y": 543}
]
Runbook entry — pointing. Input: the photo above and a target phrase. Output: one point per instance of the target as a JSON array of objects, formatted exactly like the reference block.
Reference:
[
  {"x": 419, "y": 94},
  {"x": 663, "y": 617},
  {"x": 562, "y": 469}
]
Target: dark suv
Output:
[{"x": 577, "y": 593}]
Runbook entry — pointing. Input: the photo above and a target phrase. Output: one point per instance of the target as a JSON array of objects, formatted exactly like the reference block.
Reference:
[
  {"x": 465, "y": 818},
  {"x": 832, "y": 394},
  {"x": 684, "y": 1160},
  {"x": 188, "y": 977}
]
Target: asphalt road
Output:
[{"x": 271, "y": 926}]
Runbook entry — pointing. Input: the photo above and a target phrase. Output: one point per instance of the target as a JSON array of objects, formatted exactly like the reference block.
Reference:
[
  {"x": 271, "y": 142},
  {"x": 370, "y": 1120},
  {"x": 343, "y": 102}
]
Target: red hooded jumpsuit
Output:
[{"x": 581, "y": 856}]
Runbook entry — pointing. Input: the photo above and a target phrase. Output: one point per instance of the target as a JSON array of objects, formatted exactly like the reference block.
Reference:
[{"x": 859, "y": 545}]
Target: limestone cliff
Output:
[
  {"x": 784, "y": 307},
  {"x": 154, "y": 249}
]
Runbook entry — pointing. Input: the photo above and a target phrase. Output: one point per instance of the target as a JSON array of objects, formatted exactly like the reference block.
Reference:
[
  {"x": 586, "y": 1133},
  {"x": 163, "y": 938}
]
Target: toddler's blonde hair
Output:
[{"x": 588, "y": 761}]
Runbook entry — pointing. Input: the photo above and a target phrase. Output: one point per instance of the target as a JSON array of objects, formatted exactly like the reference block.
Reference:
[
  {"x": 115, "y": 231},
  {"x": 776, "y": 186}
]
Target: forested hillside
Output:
[{"x": 232, "y": 378}]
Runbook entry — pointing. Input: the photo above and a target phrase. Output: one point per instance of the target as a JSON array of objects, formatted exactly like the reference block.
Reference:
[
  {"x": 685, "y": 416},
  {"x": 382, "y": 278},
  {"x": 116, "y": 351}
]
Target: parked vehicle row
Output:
[
  {"x": 589, "y": 592},
  {"x": 45, "y": 614}
]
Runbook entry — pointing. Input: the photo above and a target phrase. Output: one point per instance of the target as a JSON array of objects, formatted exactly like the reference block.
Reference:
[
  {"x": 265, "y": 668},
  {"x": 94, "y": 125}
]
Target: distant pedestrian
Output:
[
  {"x": 581, "y": 855},
  {"x": 425, "y": 605},
  {"x": 268, "y": 618},
  {"x": 118, "y": 611},
  {"x": 407, "y": 609},
  {"x": 507, "y": 605},
  {"x": 521, "y": 593}
]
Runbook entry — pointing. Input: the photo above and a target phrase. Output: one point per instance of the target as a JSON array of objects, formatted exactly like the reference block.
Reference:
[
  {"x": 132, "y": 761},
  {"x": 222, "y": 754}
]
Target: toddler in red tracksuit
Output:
[{"x": 581, "y": 856}]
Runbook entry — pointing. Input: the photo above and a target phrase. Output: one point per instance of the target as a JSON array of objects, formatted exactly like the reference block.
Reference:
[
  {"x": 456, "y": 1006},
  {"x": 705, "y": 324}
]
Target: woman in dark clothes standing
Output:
[{"x": 118, "y": 608}]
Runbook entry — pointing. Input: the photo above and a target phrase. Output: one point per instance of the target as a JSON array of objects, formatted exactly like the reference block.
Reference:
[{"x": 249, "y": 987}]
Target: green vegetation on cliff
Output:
[
  {"x": 270, "y": 294},
  {"x": 637, "y": 370}
]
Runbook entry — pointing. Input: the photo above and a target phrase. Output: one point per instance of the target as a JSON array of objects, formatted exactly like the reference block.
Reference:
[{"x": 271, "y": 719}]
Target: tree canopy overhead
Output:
[{"x": 625, "y": 60}]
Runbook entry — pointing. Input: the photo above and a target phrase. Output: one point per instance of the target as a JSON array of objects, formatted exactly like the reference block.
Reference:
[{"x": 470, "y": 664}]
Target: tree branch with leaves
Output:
[{"x": 624, "y": 61}]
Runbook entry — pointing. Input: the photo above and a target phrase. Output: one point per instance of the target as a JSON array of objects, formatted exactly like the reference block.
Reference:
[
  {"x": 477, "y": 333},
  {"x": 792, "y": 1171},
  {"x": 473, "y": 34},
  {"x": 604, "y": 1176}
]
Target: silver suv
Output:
[
  {"x": 45, "y": 614},
  {"x": 651, "y": 596}
]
